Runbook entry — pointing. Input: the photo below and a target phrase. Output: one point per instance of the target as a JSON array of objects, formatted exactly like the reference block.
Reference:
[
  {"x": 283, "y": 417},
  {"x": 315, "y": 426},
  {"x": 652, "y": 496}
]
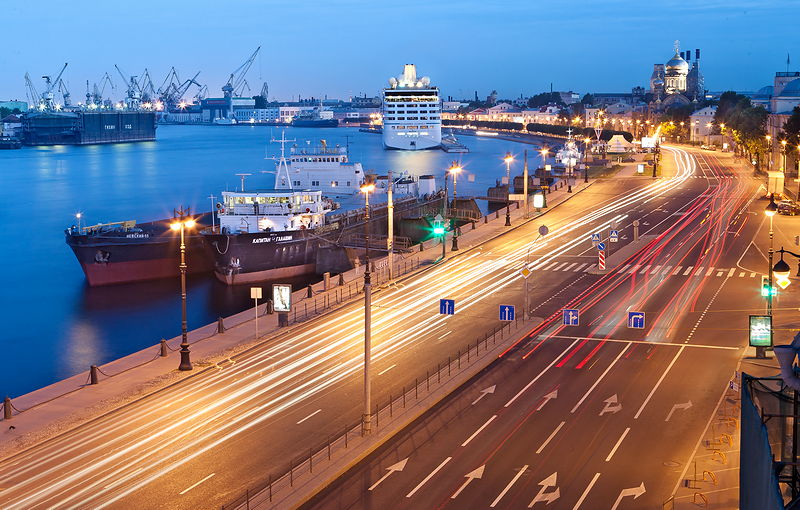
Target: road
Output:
[
  {"x": 199, "y": 443},
  {"x": 597, "y": 415}
]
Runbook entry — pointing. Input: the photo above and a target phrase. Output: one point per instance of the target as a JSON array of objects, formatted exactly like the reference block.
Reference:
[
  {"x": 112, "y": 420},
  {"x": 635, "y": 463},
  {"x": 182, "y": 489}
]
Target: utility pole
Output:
[
  {"x": 390, "y": 227},
  {"x": 525, "y": 183}
]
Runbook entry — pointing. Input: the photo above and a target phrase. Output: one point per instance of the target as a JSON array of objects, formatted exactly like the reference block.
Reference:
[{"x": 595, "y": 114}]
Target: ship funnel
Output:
[{"x": 410, "y": 73}]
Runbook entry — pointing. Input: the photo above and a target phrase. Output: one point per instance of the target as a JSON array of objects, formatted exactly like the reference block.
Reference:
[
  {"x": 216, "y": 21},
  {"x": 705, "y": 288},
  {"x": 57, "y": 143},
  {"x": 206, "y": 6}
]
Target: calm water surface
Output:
[{"x": 54, "y": 325}]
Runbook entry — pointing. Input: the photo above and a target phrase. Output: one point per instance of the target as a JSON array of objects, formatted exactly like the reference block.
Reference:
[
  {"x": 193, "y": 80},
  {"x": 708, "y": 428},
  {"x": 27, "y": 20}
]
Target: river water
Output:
[{"x": 55, "y": 326}]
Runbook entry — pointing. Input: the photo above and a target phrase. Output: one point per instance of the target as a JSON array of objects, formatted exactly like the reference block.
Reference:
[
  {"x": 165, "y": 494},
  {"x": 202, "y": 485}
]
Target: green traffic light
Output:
[{"x": 439, "y": 231}]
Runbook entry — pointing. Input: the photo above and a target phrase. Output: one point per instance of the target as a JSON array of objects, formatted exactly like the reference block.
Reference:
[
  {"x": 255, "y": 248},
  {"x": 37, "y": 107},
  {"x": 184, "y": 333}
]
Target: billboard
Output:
[
  {"x": 760, "y": 330},
  {"x": 648, "y": 142},
  {"x": 281, "y": 297}
]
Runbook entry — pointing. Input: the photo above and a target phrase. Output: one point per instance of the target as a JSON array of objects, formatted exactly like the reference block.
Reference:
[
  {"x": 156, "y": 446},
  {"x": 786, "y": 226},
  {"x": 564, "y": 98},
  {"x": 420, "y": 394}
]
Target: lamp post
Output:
[
  {"x": 769, "y": 152},
  {"x": 508, "y": 159},
  {"x": 586, "y": 142},
  {"x": 783, "y": 151},
  {"x": 181, "y": 224},
  {"x": 770, "y": 211},
  {"x": 544, "y": 152},
  {"x": 366, "y": 417},
  {"x": 454, "y": 170}
]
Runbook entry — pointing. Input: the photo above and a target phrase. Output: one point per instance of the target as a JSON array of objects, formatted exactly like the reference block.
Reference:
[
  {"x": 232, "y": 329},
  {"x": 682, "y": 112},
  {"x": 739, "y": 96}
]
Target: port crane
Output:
[
  {"x": 173, "y": 90},
  {"x": 64, "y": 91},
  {"x": 133, "y": 99},
  {"x": 45, "y": 100},
  {"x": 147, "y": 88},
  {"x": 33, "y": 95},
  {"x": 95, "y": 98},
  {"x": 237, "y": 82}
]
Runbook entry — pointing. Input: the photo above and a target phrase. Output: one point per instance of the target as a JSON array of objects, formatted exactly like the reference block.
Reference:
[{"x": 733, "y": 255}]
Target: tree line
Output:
[{"x": 550, "y": 129}]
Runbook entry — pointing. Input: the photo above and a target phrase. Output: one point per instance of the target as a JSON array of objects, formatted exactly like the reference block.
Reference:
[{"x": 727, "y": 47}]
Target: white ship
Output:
[{"x": 411, "y": 112}]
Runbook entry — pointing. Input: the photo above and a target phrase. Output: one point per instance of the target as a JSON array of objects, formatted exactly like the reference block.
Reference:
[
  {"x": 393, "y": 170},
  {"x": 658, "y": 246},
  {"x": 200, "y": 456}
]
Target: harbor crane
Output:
[
  {"x": 236, "y": 82},
  {"x": 98, "y": 91},
  {"x": 173, "y": 90},
  {"x": 64, "y": 91},
  {"x": 34, "y": 99},
  {"x": 146, "y": 87},
  {"x": 45, "y": 100},
  {"x": 133, "y": 99}
]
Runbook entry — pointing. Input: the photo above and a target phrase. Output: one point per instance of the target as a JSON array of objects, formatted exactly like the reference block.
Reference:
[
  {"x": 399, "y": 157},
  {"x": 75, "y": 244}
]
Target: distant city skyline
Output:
[{"x": 351, "y": 47}]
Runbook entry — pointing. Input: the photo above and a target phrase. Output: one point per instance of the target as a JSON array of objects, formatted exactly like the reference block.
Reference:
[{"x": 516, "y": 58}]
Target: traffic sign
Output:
[
  {"x": 614, "y": 236},
  {"x": 601, "y": 246},
  {"x": 595, "y": 238},
  {"x": 572, "y": 317},
  {"x": 636, "y": 320},
  {"x": 447, "y": 306},
  {"x": 601, "y": 260},
  {"x": 507, "y": 312},
  {"x": 525, "y": 272}
]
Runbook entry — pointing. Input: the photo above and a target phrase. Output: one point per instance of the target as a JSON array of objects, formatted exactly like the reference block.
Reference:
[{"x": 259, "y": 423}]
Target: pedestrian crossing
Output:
[
  {"x": 652, "y": 270},
  {"x": 714, "y": 176}
]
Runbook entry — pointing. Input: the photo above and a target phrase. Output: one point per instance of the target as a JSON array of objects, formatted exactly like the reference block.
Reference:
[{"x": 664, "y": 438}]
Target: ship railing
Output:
[
  {"x": 126, "y": 225},
  {"x": 376, "y": 242}
]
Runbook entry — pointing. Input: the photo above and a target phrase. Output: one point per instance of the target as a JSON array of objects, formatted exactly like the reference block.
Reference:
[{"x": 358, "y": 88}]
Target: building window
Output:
[{"x": 314, "y": 183}]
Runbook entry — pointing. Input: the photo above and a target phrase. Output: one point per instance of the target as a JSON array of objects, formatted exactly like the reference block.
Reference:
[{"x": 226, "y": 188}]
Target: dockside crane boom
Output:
[
  {"x": 133, "y": 99},
  {"x": 236, "y": 81},
  {"x": 47, "y": 97},
  {"x": 34, "y": 98}
]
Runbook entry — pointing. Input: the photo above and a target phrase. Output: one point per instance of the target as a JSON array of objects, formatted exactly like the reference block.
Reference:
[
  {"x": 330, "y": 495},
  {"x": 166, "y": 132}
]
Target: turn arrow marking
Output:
[
  {"x": 485, "y": 392},
  {"x": 394, "y": 467},
  {"x": 685, "y": 405},
  {"x": 547, "y": 497},
  {"x": 612, "y": 405},
  {"x": 472, "y": 475},
  {"x": 634, "y": 491},
  {"x": 547, "y": 398}
]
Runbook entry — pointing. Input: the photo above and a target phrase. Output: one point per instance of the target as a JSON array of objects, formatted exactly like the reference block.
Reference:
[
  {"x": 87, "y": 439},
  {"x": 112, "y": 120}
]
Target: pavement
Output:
[
  {"x": 601, "y": 414},
  {"x": 150, "y": 433}
]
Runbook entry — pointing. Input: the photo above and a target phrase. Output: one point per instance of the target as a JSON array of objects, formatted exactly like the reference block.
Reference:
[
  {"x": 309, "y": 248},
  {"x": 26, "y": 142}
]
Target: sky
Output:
[{"x": 341, "y": 48}]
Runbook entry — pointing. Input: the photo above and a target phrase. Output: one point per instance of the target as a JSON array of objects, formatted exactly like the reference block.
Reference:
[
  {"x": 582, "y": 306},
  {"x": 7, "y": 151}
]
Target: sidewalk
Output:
[{"x": 68, "y": 403}]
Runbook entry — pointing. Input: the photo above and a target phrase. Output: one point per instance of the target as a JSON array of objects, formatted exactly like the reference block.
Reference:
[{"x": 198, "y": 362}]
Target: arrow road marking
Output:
[
  {"x": 488, "y": 390},
  {"x": 634, "y": 491},
  {"x": 512, "y": 482},
  {"x": 612, "y": 405},
  {"x": 472, "y": 475},
  {"x": 423, "y": 482},
  {"x": 547, "y": 497},
  {"x": 685, "y": 405},
  {"x": 586, "y": 492},
  {"x": 470, "y": 438},
  {"x": 547, "y": 398},
  {"x": 391, "y": 469}
]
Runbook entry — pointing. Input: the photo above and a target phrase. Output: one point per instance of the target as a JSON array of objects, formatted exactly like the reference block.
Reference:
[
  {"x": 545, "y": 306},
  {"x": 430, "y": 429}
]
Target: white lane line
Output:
[
  {"x": 614, "y": 450},
  {"x": 515, "y": 397},
  {"x": 445, "y": 335},
  {"x": 570, "y": 266},
  {"x": 423, "y": 482},
  {"x": 659, "y": 382},
  {"x": 391, "y": 367},
  {"x": 688, "y": 270},
  {"x": 119, "y": 480},
  {"x": 511, "y": 483},
  {"x": 550, "y": 437},
  {"x": 732, "y": 272},
  {"x": 184, "y": 491},
  {"x": 586, "y": 492},
  {"x": 309, "y": 416},
  {"x": 490, "y": 420},
  {"x": 677, "y": 270},
  {"x": 600, "y": 379},
  {"x": 580, "y": 267}
]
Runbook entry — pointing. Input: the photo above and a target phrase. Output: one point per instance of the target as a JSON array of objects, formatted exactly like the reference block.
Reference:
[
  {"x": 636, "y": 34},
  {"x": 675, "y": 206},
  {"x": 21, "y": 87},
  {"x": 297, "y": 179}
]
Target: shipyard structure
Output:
[{"x": 85, "y": 128}]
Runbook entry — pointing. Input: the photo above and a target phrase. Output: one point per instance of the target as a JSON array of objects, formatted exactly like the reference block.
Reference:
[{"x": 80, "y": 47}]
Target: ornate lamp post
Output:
[
  {"x": 181, "y": 224},
  {"x": 366, "y": 417},
  {"x": 586, "y": 142},
  {"x": 783, "y": 151},
  {"x": 770, "y": 211},
  {"x": 508, "y": 159},
  {"x": 769, "y": 152},
  {"x": 454, "y": 170}
]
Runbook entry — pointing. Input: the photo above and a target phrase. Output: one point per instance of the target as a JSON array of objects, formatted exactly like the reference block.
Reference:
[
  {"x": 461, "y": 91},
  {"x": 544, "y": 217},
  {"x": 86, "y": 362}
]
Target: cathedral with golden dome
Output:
[{"x": 677, "y": 82}]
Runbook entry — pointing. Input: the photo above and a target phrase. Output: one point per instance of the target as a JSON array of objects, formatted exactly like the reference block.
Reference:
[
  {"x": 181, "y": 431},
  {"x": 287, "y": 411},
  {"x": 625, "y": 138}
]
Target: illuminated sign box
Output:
[
  {"x": 282, "y": 297},
  {"x": 760, "y": 331}
]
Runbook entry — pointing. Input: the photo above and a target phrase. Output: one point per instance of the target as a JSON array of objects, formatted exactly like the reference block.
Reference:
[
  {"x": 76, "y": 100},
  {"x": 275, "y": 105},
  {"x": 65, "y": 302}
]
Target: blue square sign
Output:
[
  {"x": 571, "y": 317},
  {"x": 447, "y": 306},
  {"x": 636, "y": 320},
  {"x": 507, "y": 312}
]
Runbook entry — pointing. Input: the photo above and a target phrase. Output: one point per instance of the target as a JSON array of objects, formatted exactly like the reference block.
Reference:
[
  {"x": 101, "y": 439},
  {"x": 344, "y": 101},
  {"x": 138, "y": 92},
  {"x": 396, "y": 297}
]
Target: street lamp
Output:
[
  {"x": 181, "y": 224},
  {"x": 544, "y": 152},
  {"x": 366, "y": 417},
  {"x": 586, "y": 142},
  {"x": 770, "y": 211},
  {"x": 454, "y": 170},
  {"x": 769, "y": 142},
  {"x": 783, "y": 150},
  {"x": 508, "y": 159}
]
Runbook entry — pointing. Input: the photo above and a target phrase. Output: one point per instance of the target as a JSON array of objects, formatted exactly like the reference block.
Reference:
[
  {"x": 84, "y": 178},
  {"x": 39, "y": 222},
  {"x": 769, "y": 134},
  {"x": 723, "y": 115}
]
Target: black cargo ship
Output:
[
  {"x": 127, "y": 251},
  {"x": 86, "y": 128}
]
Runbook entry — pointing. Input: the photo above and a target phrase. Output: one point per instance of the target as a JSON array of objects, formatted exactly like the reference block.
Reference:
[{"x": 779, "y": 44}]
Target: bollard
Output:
[
  {"x": 93, "y": 374},
  {"x": 164, "y": 348},
  {"x": 270, "y": 307},
  {"x": 326, "y": 281},
  {"x": 7, "y": 408},
  {"x": 421, "y": 246},
  {"x": 220, "y": 325},
  {"x": 341, "y": 279},
  {"x": 473, "y": 224},
  {"x": 486, "y": 219},
  {"x": 310, "y": 292}
]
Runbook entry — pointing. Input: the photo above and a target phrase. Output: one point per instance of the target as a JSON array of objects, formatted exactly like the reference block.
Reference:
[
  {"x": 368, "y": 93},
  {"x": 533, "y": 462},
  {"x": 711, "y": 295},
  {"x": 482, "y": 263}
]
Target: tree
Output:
[
  {"x": 544, "y": 99},
  {"x": 587, "y": 100},
  {"x": 791, "y": 130}
]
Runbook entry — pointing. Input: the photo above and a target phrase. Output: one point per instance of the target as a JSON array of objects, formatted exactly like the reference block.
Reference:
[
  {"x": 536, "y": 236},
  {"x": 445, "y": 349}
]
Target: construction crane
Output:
[
  {"x": 133, "y": 95},
  {"x": 46, "y": 100},
  {"x": 64, "y": 91},
  {"x": 201, "y": 94},
  {"x": 34, "y": 99},
  {"x": 236, "y": 82},
  {"x": 146, "y": 87},
  {"x": 173, "y": 90}
]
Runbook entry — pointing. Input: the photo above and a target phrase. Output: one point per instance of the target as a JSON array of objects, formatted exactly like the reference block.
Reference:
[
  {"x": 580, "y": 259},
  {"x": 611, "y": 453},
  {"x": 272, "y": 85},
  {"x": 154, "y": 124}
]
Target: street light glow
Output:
[
  {"x": 367, "y": 188},
  {"x": 509, "y": 158},
  {"x": 771, "y": 208}
]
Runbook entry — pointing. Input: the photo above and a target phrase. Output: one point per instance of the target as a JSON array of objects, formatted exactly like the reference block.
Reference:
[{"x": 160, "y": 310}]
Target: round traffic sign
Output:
[{"x": 601, "y": 246}]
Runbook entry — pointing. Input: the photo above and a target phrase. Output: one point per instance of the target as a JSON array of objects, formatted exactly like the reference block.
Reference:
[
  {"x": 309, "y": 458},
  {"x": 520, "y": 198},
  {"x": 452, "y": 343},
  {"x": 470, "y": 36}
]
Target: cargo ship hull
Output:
[
  {"x": 148, "y": 252},
  {"x": 87, "y": 128}
]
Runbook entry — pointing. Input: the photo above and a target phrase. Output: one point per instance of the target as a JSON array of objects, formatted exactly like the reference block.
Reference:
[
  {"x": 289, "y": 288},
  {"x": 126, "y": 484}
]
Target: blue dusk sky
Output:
[{"x": 347, "y": 47}]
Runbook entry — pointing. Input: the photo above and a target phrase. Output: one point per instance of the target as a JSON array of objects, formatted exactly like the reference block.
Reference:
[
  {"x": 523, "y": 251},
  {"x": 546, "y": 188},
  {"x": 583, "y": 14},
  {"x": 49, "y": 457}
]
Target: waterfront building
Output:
[
  {"x": 22, "y": 106},
  {"x": 11, "y": 125},
  {"x": 701, "y": 124},
  {"x": 411, "y": 112}
]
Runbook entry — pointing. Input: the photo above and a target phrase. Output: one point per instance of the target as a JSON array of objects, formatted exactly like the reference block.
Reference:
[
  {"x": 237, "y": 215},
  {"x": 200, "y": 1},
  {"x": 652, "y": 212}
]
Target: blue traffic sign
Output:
[
  {"x": 601, "y": 246},
  {"x": 614, "y": 236},
  {"x": 507, "y": 312},
  {"x": 447, "y": 306},
  {"x": 636, "y": 320},
  {"x": 595, "y": 238},
  {"x": 571, "y": 317}
]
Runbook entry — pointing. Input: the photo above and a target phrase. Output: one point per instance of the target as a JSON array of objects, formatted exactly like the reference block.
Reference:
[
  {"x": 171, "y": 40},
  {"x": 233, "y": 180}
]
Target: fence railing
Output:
[{"x": 275, "y": 485}]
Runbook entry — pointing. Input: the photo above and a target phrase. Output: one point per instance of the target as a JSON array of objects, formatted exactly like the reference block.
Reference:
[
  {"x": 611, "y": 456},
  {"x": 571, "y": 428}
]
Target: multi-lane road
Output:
[{"x": 575, "y": 396}]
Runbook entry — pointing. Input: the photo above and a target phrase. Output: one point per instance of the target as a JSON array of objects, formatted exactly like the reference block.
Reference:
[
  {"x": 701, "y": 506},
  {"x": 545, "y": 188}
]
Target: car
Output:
[
  {"x": 708, "y": 147},
  {"x": 788, "y": 207}
]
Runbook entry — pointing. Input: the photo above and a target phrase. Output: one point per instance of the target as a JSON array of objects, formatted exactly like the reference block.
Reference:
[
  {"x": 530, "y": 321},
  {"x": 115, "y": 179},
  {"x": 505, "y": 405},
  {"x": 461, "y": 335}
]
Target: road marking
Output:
[
  {"x": 624, "y": 268},
  {"x": 614, "y": 450},
  {"x": 547, "y": 497},
  {"x": 655, "y": 269},
  {"x": 472, "y": 475},
  {"x": 118, "y": 480},
  {"x": 515, "y": 397},
  {"x": 732, "y": 272},
  {"x": 645, "y": 269},
  {"x": 677, "y": 270},
  {"x": 423, "y": 482},
  {"x": 511, "y": 483},
  {"x": 633, "y": 269},
  {"x": 586, "y": 492},
  {"x": 551, "y": 266},
  {"x": 443, "y": 336},
  {"x": 699, "y": 271},
  {"x": 558, "y": 267},
  {"x": 195, "y": 485},
  {"x": 684, "y": 406},
  {"x": 570, "y": 266},
  {"x": 547, "y": 398},
  {"x": 633, "y": 491},
  {"x": 663, "y": 376},
  {"x": 490, "y": 420},
  {"x": 666, "y": 270},
  {"x": 490, "y": 389},
  {"x": 741, "y": 275},
  {"x": 391, "y": 469},
  {"x": 384, "y": 371},
  {"x": 624, "y": 341},
  {"x": 688, "y": 270},
  {"x": 580, "y": 267},
  {"x": 309, "y": 416},
  {"x": 589, "y": 268},
  {"x": 599, "y": 379},
  {"x": 752, "y": 275},
  {"x": 552, "y": 435},
  {"x": 710, "y": 270}
]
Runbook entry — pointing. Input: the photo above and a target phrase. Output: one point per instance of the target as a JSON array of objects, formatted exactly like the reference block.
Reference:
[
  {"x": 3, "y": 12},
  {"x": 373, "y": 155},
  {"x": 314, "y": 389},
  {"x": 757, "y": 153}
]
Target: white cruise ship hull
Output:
[{"x": 409, "y": 141}]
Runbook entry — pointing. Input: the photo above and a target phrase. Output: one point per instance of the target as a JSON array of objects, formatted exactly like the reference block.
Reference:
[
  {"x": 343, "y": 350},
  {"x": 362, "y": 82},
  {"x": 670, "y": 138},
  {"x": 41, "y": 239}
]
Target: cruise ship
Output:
[{"x": 411, "y": 112}]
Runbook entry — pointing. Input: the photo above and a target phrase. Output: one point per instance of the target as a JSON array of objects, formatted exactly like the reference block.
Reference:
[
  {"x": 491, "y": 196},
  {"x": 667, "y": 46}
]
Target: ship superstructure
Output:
[{"x": 411, "y": 112}]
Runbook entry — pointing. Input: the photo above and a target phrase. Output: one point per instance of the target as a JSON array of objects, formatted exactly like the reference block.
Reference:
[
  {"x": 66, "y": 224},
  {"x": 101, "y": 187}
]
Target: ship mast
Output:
[{"x": 283, "y": 166}]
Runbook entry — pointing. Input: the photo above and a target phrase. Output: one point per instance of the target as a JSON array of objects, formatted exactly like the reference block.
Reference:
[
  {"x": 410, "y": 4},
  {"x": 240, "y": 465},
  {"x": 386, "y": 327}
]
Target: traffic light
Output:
[
  {"x": 438, "y": 228},
  {"x": 766, "y": 289}
]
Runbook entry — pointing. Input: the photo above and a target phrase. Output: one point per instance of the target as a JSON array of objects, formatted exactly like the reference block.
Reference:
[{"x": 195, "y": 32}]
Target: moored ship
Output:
[
  {"x": 127, "y": 251},
  {"x": 411, "y": 112},
  {"x": 318, "y": 117}
]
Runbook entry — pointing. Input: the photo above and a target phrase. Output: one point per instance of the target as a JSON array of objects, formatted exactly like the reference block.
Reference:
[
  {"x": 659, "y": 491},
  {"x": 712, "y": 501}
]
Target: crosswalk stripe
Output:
[
  {"x": 710, "y": 270},
  {"x": 624, "y": 268},
  {"x": 560, "y": 266},
  {"x": 732, "y": 272},
  {"x": 580, "y": 267},
  {"x": 720, "y": 273},
  {"x": 677, "y": 270},
  {"x": 699, "y": 271},
  {"x": 645, "y": 269},
  {"x": 741, "y": 275},
  {"x": 589, "y": 268},
  {"x": 666, "y": 270},
  {"x": 688, "y": 270},
  {"x": 570, "y": 266},
  {"x": 633, "y": 269},
  {"x": 655, "y": 270},
  {"x": 752, "y": 275},
  {"x": 551, "y": 266}
]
